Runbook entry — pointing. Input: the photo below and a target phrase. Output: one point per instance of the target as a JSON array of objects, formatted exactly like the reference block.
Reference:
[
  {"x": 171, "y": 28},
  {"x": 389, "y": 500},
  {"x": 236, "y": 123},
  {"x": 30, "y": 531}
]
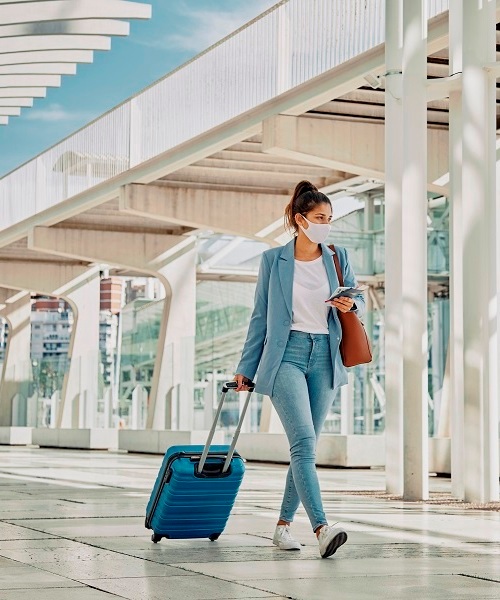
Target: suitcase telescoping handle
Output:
[{"x": 225, "y": 388}]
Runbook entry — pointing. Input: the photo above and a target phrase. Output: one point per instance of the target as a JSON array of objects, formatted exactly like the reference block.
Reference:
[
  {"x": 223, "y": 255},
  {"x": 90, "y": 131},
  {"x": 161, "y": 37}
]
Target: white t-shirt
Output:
[{"x": 310, "y": 290}]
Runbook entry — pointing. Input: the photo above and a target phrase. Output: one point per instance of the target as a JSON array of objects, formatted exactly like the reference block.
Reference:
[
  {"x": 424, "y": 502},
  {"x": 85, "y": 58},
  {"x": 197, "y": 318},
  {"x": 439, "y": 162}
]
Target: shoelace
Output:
[{"x": 286, "y": 534}]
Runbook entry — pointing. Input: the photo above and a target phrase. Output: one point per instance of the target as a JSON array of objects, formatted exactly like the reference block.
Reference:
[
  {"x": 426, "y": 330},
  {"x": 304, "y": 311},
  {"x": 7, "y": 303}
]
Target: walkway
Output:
[{"x": 72, "y": 528}]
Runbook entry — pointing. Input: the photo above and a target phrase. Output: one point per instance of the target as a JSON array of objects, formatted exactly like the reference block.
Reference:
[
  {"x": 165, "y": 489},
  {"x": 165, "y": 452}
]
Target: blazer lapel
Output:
[
  {"x": 330, "y": 267},
  {"x": 285, "y": 272}
]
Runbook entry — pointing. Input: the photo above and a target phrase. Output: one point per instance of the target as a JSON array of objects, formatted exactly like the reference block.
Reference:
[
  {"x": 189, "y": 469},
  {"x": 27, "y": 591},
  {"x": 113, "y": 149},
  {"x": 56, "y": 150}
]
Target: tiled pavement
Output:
[{"x": 72, "y": 528}]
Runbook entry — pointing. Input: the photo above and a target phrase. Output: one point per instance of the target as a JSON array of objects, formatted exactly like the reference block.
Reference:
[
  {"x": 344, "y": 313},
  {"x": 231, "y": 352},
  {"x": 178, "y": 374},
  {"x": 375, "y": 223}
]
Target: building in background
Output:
[
  {"x": 111, "y": 295},
  {"x": 51, "y": 323}
]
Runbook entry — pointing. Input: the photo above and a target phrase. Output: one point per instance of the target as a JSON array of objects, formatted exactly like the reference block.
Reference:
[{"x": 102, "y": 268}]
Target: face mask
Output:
[{"x": 316, "y": 232}]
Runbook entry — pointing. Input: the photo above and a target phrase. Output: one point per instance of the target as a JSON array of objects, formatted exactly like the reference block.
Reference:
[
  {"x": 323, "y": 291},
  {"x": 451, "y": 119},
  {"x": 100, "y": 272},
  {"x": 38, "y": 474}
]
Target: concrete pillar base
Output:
[
  {"x": 156, "y": 441},
  {"x": 333, "y": 450},
  {"x": 15, "y": 436},
  {"x": 78, "y": 439},
  {"x": 440, "y": 455}
]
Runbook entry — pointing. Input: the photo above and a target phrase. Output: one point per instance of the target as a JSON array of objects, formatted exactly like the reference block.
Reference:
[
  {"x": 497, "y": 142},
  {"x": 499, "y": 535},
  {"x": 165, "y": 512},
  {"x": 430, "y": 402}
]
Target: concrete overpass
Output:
[{"x": 325, "y": 93}]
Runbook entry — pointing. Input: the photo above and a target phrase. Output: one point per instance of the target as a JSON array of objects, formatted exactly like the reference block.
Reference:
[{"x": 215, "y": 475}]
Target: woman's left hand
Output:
[{"x": 343, "y": 304}]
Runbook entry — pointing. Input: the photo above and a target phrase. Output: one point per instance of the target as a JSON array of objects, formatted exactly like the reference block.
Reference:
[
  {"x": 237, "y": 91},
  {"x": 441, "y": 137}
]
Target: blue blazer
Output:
[{"x": 272, "y": 316}]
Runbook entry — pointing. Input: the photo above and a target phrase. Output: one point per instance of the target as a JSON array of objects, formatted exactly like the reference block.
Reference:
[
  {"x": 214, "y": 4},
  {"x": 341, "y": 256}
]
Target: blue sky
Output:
[{"x": 177, "y": 31}]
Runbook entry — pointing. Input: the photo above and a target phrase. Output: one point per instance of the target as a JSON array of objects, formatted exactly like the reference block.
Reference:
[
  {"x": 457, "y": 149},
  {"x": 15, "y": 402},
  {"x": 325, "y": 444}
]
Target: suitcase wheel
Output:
[
  {"x": 156, "y": 538},
  {"x": 213, "y": 537}
]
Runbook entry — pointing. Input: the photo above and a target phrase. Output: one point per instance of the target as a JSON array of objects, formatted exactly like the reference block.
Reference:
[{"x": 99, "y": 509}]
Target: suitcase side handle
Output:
[{"x": 225, "y": 388}]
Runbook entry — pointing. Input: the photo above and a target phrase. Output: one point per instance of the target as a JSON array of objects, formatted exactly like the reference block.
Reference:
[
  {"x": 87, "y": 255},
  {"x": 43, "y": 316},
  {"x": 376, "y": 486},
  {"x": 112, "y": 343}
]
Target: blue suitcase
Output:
[{"x": 196, "y": 486}]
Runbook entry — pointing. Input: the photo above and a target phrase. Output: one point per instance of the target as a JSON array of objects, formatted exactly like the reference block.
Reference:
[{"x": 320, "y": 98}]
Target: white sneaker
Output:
[
  {"x": 283, "y": 538},
  {"x": 330, "y": 539}
]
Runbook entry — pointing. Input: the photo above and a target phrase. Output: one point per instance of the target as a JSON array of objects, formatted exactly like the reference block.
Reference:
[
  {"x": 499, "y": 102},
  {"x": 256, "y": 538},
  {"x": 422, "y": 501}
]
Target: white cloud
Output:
[
  {"x": 203, "y": 28},
  {"x": 56, "y": 112}
]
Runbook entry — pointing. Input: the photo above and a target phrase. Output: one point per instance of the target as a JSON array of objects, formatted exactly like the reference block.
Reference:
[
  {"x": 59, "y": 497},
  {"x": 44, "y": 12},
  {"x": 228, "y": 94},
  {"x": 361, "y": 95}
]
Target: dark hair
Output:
[{"x": 305, "y": 197}]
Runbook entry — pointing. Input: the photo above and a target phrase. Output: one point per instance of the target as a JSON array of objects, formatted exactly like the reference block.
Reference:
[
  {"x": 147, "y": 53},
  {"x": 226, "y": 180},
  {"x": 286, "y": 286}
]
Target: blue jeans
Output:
[{"x": 302, "y": 397}]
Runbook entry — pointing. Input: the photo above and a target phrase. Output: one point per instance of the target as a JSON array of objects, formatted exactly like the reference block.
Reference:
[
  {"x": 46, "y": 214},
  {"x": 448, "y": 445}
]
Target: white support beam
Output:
[
  {"x": 141, "y": 251},
  {"x": 10, "y": 111},
  {"x": 480, "y": 254},
  {"x": 351, "y": 146},
  {"x": 57, "y": 10},
  {"x": 39, "y": 69},
  {"x": 27, "y": 43},
  {"x": 223, "y": 211},
  {"x": 46, "y": 56},
  {"x": 80, "y": 27},
  {"x": 16, "y": 372},
  {"x": 33, "y": 92},
  {"x": 16, "y": 102},
  {"x": 13, "y": 81}
]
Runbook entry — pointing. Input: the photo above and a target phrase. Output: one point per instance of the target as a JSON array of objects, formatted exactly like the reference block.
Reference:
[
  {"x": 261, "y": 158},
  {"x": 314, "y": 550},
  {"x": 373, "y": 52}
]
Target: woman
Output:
[{"x": 293, "y": 339}]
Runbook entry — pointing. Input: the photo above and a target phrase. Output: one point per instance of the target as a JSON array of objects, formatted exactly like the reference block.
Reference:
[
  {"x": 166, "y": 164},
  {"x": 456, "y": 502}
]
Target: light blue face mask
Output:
[{"x": 316, "y": 232}]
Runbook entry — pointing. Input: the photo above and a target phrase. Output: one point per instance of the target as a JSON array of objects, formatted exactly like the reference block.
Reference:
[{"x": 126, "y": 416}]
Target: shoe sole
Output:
[
  {"x": 279, "y": 548},
  {"x": 334, "y": 545}
]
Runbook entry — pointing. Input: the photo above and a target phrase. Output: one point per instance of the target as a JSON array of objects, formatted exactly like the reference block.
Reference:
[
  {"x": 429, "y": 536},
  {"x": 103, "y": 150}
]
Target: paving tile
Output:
[
  {"x": 6, "y": 562},
  {"x": 408, "y": 587},
  {"x": 335, "y": 567},
  {"x": 124, "y": 544},
  {"x": 22, "y": 577},
  {"x": 46, "y": 543},
  {"x": 20, "y": 532},
  {"x": 197, "y": 587},
  {"x": 165, "y": 553},
  {"x": 119, "y": 526},
  {"x": 78, "y": 553},
  {"x": 111, "y": 568},
  {"x": 49, "y": 593}
]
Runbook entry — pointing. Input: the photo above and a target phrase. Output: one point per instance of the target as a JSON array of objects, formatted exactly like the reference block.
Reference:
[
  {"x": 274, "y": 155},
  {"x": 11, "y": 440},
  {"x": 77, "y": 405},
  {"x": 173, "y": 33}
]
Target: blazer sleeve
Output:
[
  {"x": 351, "y": 281},
  {"x": 257, "y": 329}
]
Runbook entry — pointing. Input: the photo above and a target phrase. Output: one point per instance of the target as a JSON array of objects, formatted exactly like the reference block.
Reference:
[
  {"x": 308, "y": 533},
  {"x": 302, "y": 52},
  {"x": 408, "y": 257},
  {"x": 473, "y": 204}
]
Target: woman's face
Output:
[{"x": 321, "y": 213}]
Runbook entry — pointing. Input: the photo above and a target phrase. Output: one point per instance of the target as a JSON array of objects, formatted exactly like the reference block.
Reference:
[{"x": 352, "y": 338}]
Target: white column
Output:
[
  {"x": 80, "y": 383},
  {"x": 414, "y": 250},
  {"x": 269, "y": 420},
  {"x": 456, "y": 344},
  {"x": 16, "y": 372},
  {"x": 480, "y": 293},
  {"x": 369, "y": 395},
  {"x": 347, "y": 406},
  {"x": 172, "y": 387},
  {"x": 393, "y": 244}
]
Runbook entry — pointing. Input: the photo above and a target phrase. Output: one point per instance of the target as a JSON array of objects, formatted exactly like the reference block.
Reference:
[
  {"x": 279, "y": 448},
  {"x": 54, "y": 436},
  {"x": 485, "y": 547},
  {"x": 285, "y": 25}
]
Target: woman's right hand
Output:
[{"x": 241, "y": 381}]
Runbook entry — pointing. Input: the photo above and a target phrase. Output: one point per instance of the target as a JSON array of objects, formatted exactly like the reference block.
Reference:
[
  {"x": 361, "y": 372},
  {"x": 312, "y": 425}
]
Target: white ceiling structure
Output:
[{"x": 42, "y": 40}]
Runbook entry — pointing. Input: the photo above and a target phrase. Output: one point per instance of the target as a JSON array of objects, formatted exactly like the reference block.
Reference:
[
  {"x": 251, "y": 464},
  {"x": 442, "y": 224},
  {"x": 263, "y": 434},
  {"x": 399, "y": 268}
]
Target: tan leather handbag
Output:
[{"x": 354, "y": 346}]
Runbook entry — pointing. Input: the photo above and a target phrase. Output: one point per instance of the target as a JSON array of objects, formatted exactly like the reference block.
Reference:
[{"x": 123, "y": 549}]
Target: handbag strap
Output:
[{"x": 337, "y": 265}]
